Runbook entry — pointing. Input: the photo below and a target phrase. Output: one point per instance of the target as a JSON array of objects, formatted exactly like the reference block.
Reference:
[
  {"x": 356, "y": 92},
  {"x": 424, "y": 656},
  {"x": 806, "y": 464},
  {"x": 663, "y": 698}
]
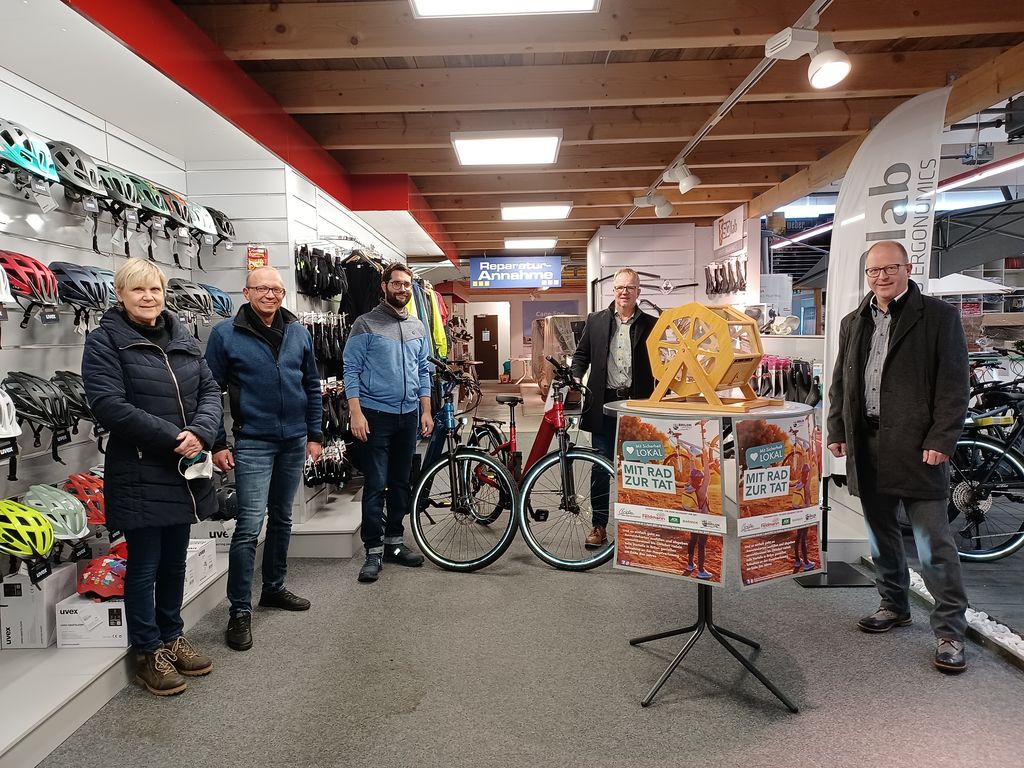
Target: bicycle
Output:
[
  {"x": 555, "y": 501},
  {"x": 462, "y": 493}
]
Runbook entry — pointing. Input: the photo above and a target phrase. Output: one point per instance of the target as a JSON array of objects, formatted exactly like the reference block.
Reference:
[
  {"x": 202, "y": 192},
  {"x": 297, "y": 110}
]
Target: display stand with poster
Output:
[{"x": 671, "y": 514}]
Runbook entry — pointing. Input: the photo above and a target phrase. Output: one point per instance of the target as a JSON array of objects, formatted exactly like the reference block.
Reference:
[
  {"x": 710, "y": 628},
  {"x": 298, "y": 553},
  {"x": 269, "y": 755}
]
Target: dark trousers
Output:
[
  {"x": 154, "y": 584},
  {"x": 940, "y": 563},
  {"x": 604, "y": 443},
  {"x": 387, "y": 462}
]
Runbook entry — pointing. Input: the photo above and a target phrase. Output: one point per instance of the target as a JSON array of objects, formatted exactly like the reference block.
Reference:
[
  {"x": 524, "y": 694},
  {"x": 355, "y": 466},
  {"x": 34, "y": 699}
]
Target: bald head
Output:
[
  {"x": 263, "y": 276},
  {"x": 888, "y": 271}
]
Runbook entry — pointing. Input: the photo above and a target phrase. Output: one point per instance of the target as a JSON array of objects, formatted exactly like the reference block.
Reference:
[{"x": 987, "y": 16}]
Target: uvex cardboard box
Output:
[
  {"x": 218, "y": 530},
  {"x": 27, "y": 612},
  {"x": 200, "y": 565},
  {"x": 86, "y": 623}
]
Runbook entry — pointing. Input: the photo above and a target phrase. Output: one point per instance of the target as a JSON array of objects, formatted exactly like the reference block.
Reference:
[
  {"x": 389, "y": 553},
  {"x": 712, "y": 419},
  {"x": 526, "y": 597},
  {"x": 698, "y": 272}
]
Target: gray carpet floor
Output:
[{"x": 522, "y": 665}]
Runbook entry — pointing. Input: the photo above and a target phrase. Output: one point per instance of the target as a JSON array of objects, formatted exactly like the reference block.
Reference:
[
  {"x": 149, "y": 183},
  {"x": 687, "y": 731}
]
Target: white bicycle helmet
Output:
[
  {"x": 9, "y": 426},
  {"x": 6, "y": 297},
  {"x": 65, "y": 513}
]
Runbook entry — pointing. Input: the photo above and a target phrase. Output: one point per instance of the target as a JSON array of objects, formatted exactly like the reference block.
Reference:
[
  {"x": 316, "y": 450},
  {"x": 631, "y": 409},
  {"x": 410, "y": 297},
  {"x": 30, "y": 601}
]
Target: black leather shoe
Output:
[
  {"x": 239, "y": 632},
  {"x": 883, "y": 620},
  {"x": 401, "y": 554},
  {"x": 950, "y": 656},
  {"x": 370, "y": 571},
  {"x": 285, "y": 600}
]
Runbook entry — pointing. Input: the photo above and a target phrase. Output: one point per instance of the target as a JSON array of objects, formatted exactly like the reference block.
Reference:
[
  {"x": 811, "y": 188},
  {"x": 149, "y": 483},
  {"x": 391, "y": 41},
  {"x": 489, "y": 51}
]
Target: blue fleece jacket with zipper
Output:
[
  {"x": 386, "y": 361},
  {"x": 271, "y": 399}
]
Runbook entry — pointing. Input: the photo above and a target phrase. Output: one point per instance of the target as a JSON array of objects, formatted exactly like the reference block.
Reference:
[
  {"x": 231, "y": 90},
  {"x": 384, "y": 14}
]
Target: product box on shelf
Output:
[
  {"x": 219, "y": 531},
  {"x": 85, "y": 623},
  {"x": 201, "y": 565},
  {"x": 27, "y": 612}
]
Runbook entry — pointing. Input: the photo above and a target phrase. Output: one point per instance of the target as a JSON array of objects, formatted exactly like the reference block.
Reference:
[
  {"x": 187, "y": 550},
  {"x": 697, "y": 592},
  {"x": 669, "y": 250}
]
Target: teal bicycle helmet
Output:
[
  {"x": 149, "y": 196},
  {"x": 20, "y": 148},
  {"x": 107, "y": 276},
  {"x": 119, "y": 187},
  {"x": 64, "y": 512}
]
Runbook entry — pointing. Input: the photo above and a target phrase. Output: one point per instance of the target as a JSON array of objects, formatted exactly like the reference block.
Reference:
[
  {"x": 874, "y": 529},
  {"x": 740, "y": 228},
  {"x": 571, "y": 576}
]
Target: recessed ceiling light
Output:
[
  {"x": 530, "y": 243},
  {"x": 506, "y": 147},
  {"x": 535, "y": 211},
  {"x": 425, "y": 9}
]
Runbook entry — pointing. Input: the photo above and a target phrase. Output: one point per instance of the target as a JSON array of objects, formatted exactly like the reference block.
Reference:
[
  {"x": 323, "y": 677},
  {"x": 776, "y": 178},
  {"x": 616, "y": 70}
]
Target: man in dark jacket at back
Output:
[
  {"x": 614, "y": 348},
  {"x": 897, "y": 404},
  {"x": 265, "y": 360}
]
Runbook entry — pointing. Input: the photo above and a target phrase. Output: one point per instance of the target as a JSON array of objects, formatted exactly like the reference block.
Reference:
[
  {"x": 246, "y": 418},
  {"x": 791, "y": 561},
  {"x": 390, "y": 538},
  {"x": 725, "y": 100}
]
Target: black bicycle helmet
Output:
[
  {"x": 41, "y": 404},
  {"x": 80, "y": 287},
  {"x": 77, "y": 170},
  {"x": 227, "y": 503},
  {"x": 185, "y": 296},
  {"x": 72, "y": 386},
  {"x": 219, "y": 300},
  {"x": 119, "y": 187},
  {"x": 225, "y": 229}
]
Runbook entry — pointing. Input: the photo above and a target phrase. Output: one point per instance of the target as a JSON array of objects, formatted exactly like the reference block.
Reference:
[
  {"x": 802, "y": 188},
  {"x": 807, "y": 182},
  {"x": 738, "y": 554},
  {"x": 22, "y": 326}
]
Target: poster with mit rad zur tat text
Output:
[
  {"x": 668, "y": 511},
  {"x": 778, "y": 485}
]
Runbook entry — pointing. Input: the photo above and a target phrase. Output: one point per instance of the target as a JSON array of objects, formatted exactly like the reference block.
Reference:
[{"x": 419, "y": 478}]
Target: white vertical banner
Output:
[{"x": 888, "y": 193}]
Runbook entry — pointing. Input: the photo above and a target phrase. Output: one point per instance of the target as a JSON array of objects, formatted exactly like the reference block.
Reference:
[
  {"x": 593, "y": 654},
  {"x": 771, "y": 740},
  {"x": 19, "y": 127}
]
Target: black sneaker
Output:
[
  {"x": 401, "y": 554},
  {"x": 284, "y": 600},
  {"x": 370, "y": 571},
  {"x": 239, "y": 633}
]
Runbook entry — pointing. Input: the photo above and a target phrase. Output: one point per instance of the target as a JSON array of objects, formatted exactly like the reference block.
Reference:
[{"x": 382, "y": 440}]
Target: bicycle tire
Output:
[
  {"x": 987, "y": 525},
  {"x": 489, "y": 439},
  {"x": 447, "y": 529},
  {"x": 559, "y": 540}
]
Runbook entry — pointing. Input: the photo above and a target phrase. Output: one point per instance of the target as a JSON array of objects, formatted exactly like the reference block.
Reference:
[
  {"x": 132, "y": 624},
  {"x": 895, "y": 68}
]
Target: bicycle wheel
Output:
[
  {"x": 555, "y": 524},
  {"x": 489, "y": 439},
  {"x": 470, "y": 525},
  {"x": 987, "y": 515}
]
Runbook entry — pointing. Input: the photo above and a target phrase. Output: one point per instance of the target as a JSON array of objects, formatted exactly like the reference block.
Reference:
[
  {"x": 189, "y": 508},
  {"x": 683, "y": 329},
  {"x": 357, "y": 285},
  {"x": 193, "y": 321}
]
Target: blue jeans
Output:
[
  {"x": 154, "y": 583},
  {"x": 267, "y": 474},
  {"x": 387, "y": 461},
  {"x": 604, "y": 443}
]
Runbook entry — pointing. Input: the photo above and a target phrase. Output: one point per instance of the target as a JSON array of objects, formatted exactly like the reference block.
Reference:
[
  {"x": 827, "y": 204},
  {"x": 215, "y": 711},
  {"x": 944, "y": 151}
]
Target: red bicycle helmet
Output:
[
  {"x": 88, "y": 489},
  {"x": 30, "y": 278},
  {"x": 103, "y": 577},
  {"x": 119, "y": 550}
]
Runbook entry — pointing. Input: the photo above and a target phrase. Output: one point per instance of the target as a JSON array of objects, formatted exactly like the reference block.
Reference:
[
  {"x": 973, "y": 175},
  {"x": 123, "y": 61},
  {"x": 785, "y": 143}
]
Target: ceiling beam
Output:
[
  {"x": 597, "y": 181},
  {"x": 651, "y": 157},
  {"x": 452, "y": 218},
  {"x": 382, "y": 29},
  {"x": 584, "y": 85},
  {"x": 988, "y": 84},
  {"x": 601, "y": 125},
  {"x": 700, "y": 196}
]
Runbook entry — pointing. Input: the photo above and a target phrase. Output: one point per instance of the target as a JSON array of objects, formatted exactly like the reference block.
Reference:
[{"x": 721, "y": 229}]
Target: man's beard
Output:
[{"x": 394, "y": 300}]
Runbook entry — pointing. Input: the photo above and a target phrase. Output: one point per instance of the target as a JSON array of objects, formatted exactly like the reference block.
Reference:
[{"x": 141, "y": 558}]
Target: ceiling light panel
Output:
[
  {"x": 530, "y": 243},
  {"x": 432, "y": 9},
  {"x": 535, "y": 211},
  {"x": 506, "y": 147}
]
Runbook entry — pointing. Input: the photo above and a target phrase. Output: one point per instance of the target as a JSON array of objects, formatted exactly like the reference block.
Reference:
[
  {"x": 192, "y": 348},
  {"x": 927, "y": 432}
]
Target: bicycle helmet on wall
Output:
[
  {"x": 30, "y": 278},
  {"x": 220, "y": 300},
  {"x": 149, "y": 195},
  {"x": 6, "y": 297},
  {"x": 20, "y": 148},
  {"x": 39, "y": 402},
  {"x": 72, "y": 386},
  {"x": 177, "y": 207},
  {"x": 9, "y": 426},
  {"x": 201, "y": 219},
  {"x": 185, "y": 296},
  {"x": 77, "y": 170},
  {"x": 81, "y": 288},
  {"x": 225, "y": 229},
  {"x": 65, "y": 513},
  {"x": 88, "y": 489},
  {"x": 103, "y": 577},
  {"x": 119, "y": 187},
  {"x": 107, "y": 276},
  {"x": 24, "y": 532}
]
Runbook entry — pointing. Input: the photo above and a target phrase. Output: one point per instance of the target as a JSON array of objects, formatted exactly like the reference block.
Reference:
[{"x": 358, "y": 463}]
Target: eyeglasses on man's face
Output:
[
  {"x": 400, "y": 285},
  {"x": 263, "y": 290},
  {"x": 625, "y": 288},
  {"x": 889, "y": 269}
]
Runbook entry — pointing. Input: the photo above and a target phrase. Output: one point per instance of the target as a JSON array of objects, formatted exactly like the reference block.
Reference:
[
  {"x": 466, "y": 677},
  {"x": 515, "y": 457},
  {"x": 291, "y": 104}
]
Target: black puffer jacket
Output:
[{"x": 146, "y": 397}]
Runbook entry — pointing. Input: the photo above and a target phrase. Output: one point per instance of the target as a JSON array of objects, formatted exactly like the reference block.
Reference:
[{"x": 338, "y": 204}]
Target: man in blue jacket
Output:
[
  {"x": 265, "y": 360},
  {"x": 387, "y": 382}
]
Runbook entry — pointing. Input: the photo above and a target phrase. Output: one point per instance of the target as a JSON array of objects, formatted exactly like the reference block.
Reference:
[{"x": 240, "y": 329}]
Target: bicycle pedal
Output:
[{"x": 539, "y": 515}]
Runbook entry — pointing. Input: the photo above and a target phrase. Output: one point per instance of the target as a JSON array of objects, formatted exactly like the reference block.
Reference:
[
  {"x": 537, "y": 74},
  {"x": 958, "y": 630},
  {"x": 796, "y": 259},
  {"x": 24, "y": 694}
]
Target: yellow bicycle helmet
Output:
[{"x": 24, "y": 532}]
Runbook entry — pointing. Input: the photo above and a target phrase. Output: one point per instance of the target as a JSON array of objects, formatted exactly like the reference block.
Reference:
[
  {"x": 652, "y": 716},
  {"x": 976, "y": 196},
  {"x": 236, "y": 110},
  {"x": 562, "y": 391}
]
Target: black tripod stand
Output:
[{"x": 705, "y": 620}]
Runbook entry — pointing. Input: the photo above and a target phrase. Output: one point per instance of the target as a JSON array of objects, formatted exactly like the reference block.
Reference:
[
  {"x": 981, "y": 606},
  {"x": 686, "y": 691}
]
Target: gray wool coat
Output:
[{"x": 923, "y": 402}]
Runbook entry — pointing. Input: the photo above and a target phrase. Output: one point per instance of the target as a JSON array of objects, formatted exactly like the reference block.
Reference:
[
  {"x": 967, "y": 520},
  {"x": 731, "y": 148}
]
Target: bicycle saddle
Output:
[{"x": 508, "y": 399}]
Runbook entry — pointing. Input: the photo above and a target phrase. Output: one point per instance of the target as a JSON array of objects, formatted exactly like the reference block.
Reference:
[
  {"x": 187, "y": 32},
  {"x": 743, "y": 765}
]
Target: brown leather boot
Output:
[
  {"x": 189, "y": 661},
  {"x": 597, "y": 538},
  {"x": 157, "y": 673}
]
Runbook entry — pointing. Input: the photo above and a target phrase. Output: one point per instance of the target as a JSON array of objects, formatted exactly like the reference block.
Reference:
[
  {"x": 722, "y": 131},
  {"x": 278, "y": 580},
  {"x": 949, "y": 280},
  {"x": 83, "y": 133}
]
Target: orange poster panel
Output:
[
  {"x": 670, "y": 551},
  {"x": 778, "y": 465},
  {"x": 779, "y": 555}
]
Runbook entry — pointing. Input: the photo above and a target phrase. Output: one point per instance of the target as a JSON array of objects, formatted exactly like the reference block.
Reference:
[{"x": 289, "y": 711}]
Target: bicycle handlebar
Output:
[{"x": 563, "y": 374}]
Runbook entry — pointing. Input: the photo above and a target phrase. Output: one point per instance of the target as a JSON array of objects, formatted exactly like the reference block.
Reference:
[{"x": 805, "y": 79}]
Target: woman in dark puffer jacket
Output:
[{"x": 148, "y": 384}]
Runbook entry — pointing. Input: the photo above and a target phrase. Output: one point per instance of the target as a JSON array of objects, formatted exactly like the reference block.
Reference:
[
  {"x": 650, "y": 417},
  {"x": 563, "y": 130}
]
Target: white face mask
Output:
[{"x": 198, "y": 467}]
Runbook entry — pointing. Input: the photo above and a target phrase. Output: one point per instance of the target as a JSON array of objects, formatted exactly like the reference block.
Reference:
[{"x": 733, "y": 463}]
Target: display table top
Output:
[{"x": 771, "y": 412}]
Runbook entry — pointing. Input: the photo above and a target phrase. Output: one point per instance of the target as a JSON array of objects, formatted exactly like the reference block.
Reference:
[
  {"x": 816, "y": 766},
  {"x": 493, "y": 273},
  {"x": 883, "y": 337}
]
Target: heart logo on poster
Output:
[{"x": 629, "y": 449}]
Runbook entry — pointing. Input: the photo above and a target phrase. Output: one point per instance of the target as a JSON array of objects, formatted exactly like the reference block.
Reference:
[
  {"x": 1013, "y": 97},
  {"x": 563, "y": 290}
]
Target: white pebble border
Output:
[{"x": 989, "y": 629}]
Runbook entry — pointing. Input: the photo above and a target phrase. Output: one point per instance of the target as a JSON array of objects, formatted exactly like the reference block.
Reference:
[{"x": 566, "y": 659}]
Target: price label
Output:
[
  {"x": 131, "y": 215},
  {"x": 7, "y": 449},
  {"x": 183, "y": 234},
  {"x": 61, "y": 437},
  {"x": 39, "y": 570},
  {"x": 157, "y": 224},
  {"x": 49, "y": 315},
  {"x": 39, "y": 186},
  {"x": 44, "y": 201},
  {"x": 90, "y": 204},
  {"x": 81, "y": 551},
  {"x": 206, "y": 321},
  {"x": 229, "y": 246},
  {"x": 3, "y": 313},
  {"x": 99, "y": 430},
  {"x": 208, "y": 239}
]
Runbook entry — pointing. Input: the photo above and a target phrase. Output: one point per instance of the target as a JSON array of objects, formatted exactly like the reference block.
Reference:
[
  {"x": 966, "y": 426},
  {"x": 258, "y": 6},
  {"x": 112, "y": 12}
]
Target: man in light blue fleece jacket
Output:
[{"x": 387, "y": 382}]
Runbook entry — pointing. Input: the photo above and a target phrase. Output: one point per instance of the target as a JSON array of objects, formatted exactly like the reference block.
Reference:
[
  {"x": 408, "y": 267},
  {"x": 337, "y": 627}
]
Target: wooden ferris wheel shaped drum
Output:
[{"x": 698, "y": 352}]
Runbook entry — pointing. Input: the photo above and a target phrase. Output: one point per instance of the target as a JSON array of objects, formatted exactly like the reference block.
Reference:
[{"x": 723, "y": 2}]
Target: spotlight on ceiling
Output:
[
  {"x": 828, "y": 67},
  {"x": 662, "y": 207},
  {"x": 687, "y": 179}
]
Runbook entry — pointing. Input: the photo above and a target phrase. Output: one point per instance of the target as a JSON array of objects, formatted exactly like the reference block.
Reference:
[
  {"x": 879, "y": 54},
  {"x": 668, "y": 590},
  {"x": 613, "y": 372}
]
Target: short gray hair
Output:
[{"x": 627, "y": 271}]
